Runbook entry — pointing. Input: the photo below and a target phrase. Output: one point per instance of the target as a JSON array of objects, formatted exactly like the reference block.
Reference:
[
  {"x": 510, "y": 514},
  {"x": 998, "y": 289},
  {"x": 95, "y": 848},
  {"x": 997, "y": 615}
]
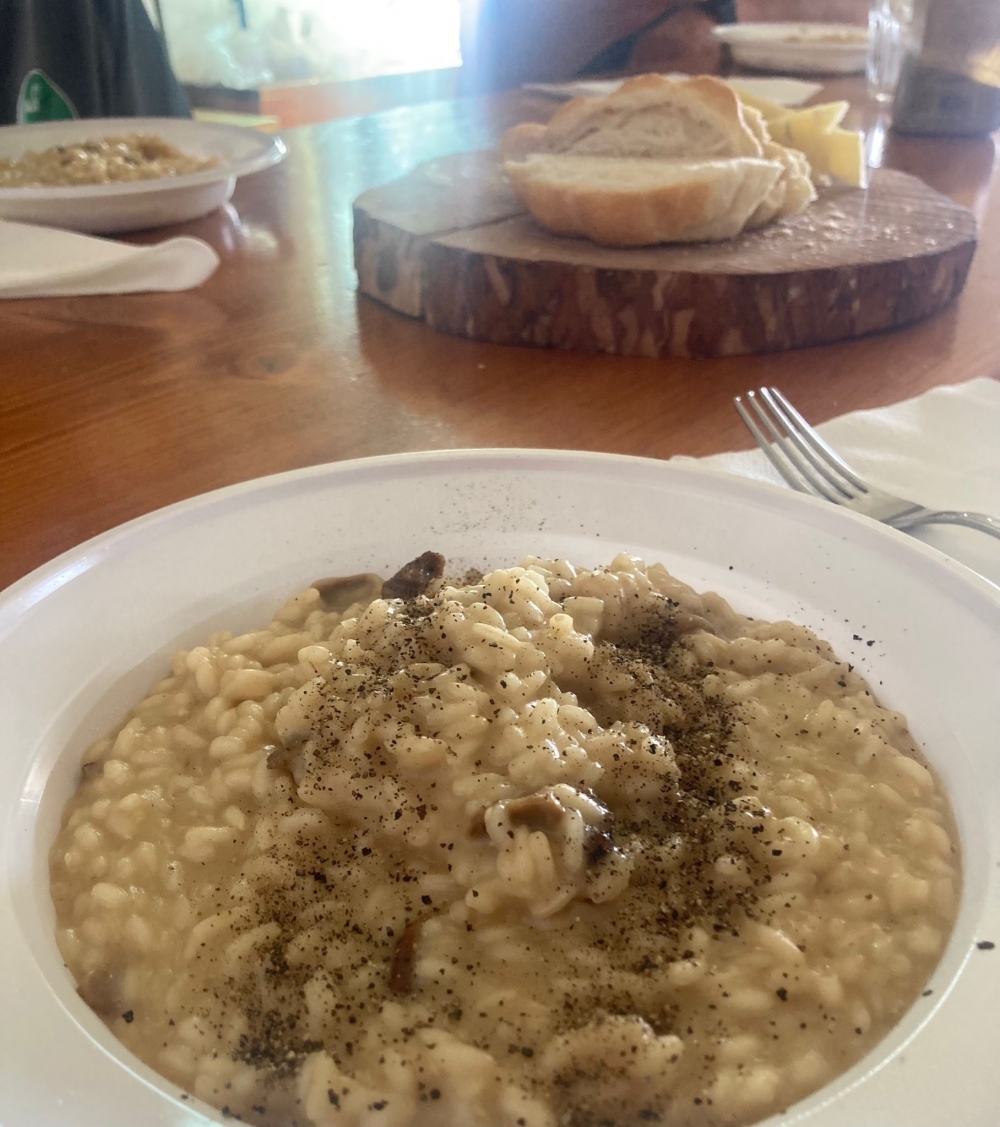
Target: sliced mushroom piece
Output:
[
  {"x": 279, "y": 758},
  {"x": 403, "y": 958},
  {"x": 287, "y": 759},
  {"x": 102, "y": 991},
  {"x": 597, "y": 844},
  {"x": 414, "y": 578},
  {"x": 477, "y": 826},
  {"x": 92, "y": 770},
  {"x": 608, "y": 867},
  {"x": 608, "y": 877},
  {"x": 342, "y": 591},
  {"x": 536, "y": 811}
]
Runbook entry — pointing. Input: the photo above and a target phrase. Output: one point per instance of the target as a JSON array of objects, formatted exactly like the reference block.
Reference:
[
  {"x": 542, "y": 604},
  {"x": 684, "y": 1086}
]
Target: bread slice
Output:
[
  {"x": 649, "y": 116},
  {"x": 522, "y": 140},
  {"x": 656, "y": 117},
  {"x": 636, "y": 202},
  {"x": 793, "y": 191},
  {"x": 663, "y": 119}
]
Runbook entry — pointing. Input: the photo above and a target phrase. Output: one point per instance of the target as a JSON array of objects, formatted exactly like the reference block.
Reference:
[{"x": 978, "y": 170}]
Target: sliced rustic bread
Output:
[
  {"x": 656, "y": 117},
  {"x": 522, "y": 140},
  {"x": 649, "y": 116},
  {"x": 635, "y": 202},
  {"x": 661, "y": 119},
  {"x": 793, "y": 191}
]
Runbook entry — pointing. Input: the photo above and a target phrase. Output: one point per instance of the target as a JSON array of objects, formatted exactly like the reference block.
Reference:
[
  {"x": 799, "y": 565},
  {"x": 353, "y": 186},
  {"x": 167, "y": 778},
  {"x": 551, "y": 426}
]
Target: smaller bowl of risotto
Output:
[
  {"x": 512, "y": 788},
  {"x": 797, "y": 48},
  {"x": 111, "y": 175}
]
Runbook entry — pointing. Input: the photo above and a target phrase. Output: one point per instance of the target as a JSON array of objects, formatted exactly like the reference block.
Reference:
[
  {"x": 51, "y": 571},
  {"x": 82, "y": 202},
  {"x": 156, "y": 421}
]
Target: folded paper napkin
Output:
[
  {"x": 46, "y": 262},
  {"x": 941, "y": 449},
  {"x": 785, "y": 91}
]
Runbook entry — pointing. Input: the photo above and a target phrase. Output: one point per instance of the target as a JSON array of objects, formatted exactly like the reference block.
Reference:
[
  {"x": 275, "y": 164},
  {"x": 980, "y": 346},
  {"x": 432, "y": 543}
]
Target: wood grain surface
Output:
[
  {"x": 451, "y": 244},
  {"x": 113, "y": 406}
]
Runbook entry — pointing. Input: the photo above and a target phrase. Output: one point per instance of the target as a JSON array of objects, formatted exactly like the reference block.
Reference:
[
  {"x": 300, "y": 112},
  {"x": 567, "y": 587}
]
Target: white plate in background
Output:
[
  {"x": 104, "y": 209},
  {"x": 797, "y": 48},
  {"x": 82, "y": 637},
  {"x": 790, "y": 92}
]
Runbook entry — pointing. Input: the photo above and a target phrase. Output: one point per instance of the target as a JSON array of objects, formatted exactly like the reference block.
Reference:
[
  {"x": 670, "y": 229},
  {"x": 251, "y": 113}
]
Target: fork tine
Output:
[
  {"x": 767, "y": 447},
  {"x": 812, "y": 436},
  {"x": 801, "y": 442},
  {"x": 805, "y": 470}
]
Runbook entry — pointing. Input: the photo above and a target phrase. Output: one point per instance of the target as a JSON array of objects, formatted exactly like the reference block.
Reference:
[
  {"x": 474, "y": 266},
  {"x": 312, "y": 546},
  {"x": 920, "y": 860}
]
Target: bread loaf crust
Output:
[
  {"x": 716, "y": 108},
  {"x": 694, "y": 202},
  {"x": 794, "y": 189},
  {"x": 522, "y": 140},
  {"x": 654, "y": 118}
]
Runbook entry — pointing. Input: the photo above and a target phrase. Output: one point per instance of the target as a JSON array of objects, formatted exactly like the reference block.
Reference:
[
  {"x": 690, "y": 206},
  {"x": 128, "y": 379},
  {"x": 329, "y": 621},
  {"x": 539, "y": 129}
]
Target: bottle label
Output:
[
  {"x": 41, "y": 99},
  {"x": 963, "y": 37},
  {"x": 937, "y": 101}
]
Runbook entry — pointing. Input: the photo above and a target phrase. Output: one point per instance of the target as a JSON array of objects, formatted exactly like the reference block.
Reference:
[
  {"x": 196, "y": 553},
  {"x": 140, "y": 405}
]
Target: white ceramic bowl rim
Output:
[
  {"x": 574, "y": 503},
  {"x": 779, "y": 34}
]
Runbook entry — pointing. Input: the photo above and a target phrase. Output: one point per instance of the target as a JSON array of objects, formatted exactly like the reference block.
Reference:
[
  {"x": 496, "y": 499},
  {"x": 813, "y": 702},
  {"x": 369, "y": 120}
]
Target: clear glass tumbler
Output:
[{"x": 888, "y": 24}]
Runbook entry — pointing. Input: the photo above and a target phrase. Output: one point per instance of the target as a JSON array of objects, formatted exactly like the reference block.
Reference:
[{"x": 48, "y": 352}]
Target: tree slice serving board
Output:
[{"x": 451, "y": 244}]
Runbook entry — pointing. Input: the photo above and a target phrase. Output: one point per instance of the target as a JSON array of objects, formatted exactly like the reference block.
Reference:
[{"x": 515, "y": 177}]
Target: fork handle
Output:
[{"x": 979, "y": 521}]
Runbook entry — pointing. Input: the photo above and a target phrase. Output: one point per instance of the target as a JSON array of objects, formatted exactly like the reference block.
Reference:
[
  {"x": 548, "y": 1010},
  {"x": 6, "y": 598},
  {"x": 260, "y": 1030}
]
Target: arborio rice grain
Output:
[{"x": 551, "y": 846}]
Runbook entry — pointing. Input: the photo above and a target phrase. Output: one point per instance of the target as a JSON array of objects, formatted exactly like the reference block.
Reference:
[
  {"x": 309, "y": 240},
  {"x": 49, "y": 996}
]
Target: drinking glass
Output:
[{"x": 888, "y": 23}]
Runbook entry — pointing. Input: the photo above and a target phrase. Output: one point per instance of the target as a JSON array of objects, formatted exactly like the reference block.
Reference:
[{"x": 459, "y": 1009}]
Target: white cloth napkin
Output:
[
  {"x": 941, "y": 449},
  {"x": 46, "y": 262},
  {"x": 785, "y": 91}
]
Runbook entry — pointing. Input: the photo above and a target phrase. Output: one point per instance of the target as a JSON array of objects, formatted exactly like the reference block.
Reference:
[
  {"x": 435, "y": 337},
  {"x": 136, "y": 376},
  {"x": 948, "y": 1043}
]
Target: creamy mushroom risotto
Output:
[
  {"x": 544, "y": 847},
  {"x": 138, "y": 156}
]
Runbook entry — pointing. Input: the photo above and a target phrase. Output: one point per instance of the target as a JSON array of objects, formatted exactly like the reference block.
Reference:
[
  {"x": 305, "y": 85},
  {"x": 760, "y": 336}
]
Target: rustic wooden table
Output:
[{"x": 113, "y": 406}]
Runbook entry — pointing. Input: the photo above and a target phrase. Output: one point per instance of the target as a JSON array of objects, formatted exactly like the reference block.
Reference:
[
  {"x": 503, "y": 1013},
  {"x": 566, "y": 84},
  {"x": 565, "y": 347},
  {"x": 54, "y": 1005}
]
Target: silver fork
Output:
[{"x": 810, "y": 465}]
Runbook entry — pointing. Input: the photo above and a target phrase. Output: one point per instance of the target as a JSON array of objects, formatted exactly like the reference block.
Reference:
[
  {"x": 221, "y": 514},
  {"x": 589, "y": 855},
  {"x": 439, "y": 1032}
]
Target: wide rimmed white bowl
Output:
[
  {"x": 105, "y": 209},
  {"x": 83, "y": 636},
  {"x": 797, "y": 48}
]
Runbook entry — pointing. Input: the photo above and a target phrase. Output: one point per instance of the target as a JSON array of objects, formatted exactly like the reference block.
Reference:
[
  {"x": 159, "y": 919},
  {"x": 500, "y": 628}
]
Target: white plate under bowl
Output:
[
  {"x": 82, "y": 637},
  {"x": 106, "y": 209},
  {"x": 797, "y": 48}
]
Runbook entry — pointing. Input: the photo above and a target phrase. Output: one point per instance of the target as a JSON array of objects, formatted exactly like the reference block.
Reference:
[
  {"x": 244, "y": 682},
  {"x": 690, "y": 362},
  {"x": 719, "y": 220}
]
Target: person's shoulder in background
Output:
[
  {"x": 508, "y": 42},
  {"x": 683, "y": 43},
  {"x": 83, "y": 58}
]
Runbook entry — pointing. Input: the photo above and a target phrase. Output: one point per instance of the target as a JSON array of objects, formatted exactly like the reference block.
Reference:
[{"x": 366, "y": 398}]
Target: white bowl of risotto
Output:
[
  {"x": 797, "y": 48},
  {"x": 110, "y": 175},
  {"x": 530, "y": 834}
]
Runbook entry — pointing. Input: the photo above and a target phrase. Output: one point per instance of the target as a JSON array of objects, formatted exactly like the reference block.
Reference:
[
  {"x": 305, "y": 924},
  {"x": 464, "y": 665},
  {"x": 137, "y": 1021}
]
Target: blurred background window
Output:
[
  {"x": 304, "y": 61},
  {"x": 244, "y": 44}
]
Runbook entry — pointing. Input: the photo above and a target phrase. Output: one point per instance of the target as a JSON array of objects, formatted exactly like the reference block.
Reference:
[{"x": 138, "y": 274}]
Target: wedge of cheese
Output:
[
  {"x": 790, "y": 124},
  {"x": 764, "y": 106},
  {"x": 815, "y": 131},
  {"x": 842, "y": 154},
  {"x": 831, "y": 152}
]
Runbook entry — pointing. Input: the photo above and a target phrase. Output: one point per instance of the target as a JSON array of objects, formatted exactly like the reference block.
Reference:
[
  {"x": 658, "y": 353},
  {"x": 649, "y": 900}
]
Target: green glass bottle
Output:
[{"x": 950, "y": 79}]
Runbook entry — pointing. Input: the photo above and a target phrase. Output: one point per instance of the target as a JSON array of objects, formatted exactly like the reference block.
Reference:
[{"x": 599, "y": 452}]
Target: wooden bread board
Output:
[{"x": 450, "y": 244}]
